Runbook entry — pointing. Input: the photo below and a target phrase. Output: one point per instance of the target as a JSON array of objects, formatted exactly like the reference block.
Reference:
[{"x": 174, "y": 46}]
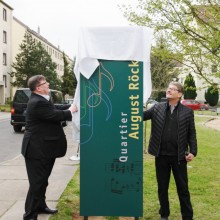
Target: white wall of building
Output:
[
  {"x": 5, "y": 50},
  {"x": 19, "y": 29},
  {"x": 18, "y": 32}
]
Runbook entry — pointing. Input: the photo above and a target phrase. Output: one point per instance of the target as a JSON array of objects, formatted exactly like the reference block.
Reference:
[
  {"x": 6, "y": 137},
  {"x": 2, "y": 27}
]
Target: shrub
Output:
[
  {"x": 212, "y": 96},
  {"x": 189, "y": 88}
]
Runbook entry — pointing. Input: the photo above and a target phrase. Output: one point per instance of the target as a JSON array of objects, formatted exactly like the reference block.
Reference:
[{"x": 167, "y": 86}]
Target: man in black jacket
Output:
[
  {"x": 173, "y": 143},
  {"x": 44, "y": 141}
]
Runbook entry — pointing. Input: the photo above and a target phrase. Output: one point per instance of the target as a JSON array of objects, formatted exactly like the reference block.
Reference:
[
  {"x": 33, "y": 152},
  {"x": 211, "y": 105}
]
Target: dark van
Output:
[{"x": 19, "y": 105}]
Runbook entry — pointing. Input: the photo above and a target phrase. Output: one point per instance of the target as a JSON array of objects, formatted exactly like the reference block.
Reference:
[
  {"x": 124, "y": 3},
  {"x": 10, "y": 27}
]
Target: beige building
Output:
[
  {"x": 12, "y": 35},
  {"x": 18, "y": 31},
  {"x": 5, "y": 50}
]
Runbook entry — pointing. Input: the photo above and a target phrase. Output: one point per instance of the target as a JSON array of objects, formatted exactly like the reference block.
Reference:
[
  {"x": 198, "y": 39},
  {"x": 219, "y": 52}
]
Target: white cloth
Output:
[
  {"x": 111, "y": 43},
  {"x": 76, "y": 115}
]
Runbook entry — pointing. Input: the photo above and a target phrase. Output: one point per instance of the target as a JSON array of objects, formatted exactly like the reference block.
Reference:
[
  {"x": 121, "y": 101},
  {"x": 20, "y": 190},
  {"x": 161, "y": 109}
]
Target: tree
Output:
[
  {"x": 212, "y": 96},
  {"x": 163, "y": 70},
  {"x": 69, "y": 80},
  {"x": 33, "y": 60},
  {"x": 189, "y": 87},
  {"x": 192, "y": 30}
]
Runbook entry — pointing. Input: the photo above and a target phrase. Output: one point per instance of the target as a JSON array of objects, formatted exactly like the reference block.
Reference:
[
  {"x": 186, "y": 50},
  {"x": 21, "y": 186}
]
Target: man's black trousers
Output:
[
  {"x": 38, "y": 171},
  {"x": 164, "y": 165}
]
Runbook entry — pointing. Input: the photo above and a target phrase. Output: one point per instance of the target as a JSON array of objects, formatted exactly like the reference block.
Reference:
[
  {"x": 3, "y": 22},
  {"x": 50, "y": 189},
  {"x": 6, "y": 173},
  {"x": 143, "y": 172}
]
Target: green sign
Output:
[{"x": 111, "y": 140}]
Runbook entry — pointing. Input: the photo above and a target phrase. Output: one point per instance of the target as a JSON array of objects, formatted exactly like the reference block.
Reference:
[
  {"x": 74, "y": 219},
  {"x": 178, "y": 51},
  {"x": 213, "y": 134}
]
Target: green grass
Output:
[
  {"x": 5, "y": 108},
  {"x": 204, "y": 179}
]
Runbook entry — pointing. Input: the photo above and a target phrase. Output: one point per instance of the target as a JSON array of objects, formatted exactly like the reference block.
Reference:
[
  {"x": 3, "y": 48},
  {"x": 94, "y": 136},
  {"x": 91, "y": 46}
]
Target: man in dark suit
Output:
[{"x": 44, "y": 141}]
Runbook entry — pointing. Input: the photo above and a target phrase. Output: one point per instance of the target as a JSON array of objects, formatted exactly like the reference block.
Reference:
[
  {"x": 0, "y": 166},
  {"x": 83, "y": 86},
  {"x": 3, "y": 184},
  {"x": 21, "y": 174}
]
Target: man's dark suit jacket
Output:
[{"x": 44, "y": 136}]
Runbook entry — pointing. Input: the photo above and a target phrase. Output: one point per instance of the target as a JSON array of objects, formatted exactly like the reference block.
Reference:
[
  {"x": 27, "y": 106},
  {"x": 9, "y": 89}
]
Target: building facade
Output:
[
  {"x": 5, "y": 50},
  {"x": 12, "y": 35}
]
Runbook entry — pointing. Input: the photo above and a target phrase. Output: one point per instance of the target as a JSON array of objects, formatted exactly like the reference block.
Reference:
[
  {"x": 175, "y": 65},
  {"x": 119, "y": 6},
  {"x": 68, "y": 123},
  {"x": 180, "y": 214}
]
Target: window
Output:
[
  {"x": 5, "y": 80},
  {"x": 4, "y": 37},
  {"x": 4, "y": 14},
  {"x": 4, "y": 59},
  {"x": 22, "y": 96}
]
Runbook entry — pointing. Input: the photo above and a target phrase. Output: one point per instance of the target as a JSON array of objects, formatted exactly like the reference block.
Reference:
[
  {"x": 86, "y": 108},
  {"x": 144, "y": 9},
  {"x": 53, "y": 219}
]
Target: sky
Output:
[{"x": 59, "y": 21}]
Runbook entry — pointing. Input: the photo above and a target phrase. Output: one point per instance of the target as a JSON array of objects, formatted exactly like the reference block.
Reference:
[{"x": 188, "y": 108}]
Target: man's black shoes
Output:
[
  {"x": 47, "y": 211},
  {"x": 33, "y": 216},
  {"x": 30, "y": 216}
]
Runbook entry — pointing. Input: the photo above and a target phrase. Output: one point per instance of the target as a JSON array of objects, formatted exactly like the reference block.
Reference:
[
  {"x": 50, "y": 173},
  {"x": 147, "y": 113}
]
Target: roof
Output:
[{"x": 6, "y": 5}]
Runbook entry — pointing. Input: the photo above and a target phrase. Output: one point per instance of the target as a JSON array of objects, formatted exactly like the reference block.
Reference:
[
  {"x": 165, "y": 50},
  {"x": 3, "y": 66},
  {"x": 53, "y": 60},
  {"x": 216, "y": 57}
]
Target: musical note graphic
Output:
[
  {"x": 87, "y": 126},
  {"x": 122, "y": 187},
  {"x": 92, "y": 96},
  {"x": 134, "y": 168},
  {"x": 97, "y": 97},
  {"x": 127, "y": 178}
]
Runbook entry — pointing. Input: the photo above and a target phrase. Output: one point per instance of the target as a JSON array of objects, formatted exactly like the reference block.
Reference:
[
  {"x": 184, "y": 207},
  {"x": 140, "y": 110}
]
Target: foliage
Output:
[
  {"x": 189, "y": 88},
  {"x": 32, "y": 60},
  {"x": 191, "y": 28},
  {"x": 162, "y": 69},
  {"x": 212, "y": 96},
  {"x": 5, "y": 108},
  {"x": 158, "y": 95},
  {"x": 69, "y": 80}
]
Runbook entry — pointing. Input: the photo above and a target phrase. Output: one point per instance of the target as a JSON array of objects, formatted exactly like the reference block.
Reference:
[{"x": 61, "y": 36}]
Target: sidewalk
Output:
[
  {"x": 4, "y": 115},
  {"x": 14, "y": 182},
  {"x": 214, "y": 123}
]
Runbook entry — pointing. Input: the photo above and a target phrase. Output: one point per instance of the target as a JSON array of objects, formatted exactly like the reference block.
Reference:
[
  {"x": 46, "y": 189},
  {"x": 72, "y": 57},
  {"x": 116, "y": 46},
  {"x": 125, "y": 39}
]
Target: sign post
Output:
[{"x": 111, "y": 140}]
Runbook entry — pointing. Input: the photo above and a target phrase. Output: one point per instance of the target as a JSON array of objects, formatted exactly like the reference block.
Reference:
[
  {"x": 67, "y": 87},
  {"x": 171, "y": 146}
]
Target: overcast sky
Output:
[{"x": 59, "y": 21}]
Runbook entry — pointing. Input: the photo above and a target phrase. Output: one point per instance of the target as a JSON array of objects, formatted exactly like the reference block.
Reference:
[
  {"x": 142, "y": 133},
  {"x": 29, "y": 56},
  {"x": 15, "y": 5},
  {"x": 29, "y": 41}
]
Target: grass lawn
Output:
[
  {"x": 204, "y": 183},
  {"x": 5, "y": 108}
]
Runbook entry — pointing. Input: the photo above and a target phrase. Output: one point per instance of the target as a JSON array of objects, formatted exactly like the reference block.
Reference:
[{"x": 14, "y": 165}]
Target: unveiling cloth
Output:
[{"x": 111, "y": 43}]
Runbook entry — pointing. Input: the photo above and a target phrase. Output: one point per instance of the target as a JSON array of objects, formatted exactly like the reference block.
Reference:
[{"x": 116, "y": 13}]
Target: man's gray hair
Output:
[
  {"x": 34, "y": 81},
  {"x": 179, "y": 86}
]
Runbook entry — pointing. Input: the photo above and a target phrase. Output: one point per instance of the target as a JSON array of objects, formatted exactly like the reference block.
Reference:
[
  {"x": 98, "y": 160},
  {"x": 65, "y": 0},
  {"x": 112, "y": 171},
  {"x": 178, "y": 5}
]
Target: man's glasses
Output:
[
  {"x": 42, "y": 83},
  {"x": 172, "y": 89}
]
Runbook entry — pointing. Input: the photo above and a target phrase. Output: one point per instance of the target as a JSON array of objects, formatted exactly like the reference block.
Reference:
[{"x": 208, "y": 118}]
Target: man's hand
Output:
[
  {"x": 73, "y": 108},
  {"x": 189, "y": 157}
]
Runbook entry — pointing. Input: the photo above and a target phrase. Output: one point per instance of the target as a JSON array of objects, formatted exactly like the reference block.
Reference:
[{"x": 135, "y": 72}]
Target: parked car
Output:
[
  {"x": 195, "y": 105},
  {"x": 19, "y": 105},
  {"x": 69, "y": 101},
  {"x": 163, "y": 99}
]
